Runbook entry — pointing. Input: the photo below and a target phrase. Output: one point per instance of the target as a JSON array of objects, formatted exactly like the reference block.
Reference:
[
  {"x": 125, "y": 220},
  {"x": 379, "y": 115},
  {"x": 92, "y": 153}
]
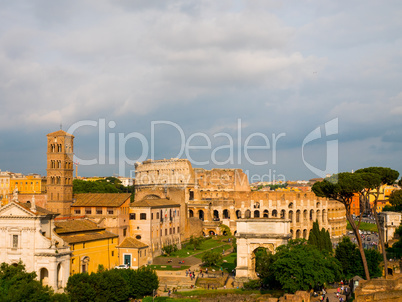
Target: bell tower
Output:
[{"x": 60, "y": 147}]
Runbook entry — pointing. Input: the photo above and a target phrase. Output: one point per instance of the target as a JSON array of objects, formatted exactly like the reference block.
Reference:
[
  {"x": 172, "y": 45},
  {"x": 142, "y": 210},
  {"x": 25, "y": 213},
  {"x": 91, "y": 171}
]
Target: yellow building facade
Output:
[
  {"x": 4, "y": 187},
  {"x": 29, "y": 184},
  {"x": 91, "y": 246},
  {"x": 383, "y": 198}
]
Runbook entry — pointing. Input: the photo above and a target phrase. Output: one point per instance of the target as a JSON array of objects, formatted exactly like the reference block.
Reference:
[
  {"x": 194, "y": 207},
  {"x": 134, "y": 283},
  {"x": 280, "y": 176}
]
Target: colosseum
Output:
[{"x": 210, "y": 198}]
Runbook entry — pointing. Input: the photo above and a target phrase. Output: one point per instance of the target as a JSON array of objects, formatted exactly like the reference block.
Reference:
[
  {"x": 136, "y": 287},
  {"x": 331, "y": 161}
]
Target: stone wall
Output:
[{"x": 384, "y": 290}]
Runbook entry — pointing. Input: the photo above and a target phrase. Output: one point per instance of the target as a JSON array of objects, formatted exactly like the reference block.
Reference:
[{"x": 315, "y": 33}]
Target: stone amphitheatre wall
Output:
[{"x": 223, "y": 195}]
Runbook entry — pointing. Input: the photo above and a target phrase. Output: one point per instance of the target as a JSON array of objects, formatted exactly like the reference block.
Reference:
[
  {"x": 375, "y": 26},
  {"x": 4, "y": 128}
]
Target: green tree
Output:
[
  {"x": 211, "y": 258},
  {"x": 145, "y": 281},
  {"x": 374, "y": 178},
  {"x": 320, "y": 239},
  {"x": 301, "y": 266},
  {"x": 263, "y": 263},
  {"x": 168, "y": 249},
  {"x": 79, "y": 288},
  {"x": 110, "y": 286},
  {"x": 234, "y": 245},
  {"x": 107, "y": 185},
  {"x": 196, "y": 241},
  {"x": 342, "y": 187},
  {"x": 396, "y": 200},
  {"x": 396, "y": 250},
  {"x": 349, "y": 257},
  {"x": 18, "y": 285}
]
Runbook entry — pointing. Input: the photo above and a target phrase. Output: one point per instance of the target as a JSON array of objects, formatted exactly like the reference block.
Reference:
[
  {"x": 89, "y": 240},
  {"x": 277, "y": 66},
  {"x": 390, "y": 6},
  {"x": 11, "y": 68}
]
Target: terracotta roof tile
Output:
[
  {"x": 88, "y": 236},
  {"x": 132, "y": 243},
  {"x": 39, "y": 210},
  {"x": 76, "y": 225},
  {"x": 154, "y": 203},
  {"x": 100, "y": 199}
]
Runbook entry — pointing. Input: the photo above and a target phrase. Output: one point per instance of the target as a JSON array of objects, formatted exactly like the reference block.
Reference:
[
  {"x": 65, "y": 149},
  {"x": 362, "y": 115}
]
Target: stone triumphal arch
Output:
[{"x": 254, "y": 233}]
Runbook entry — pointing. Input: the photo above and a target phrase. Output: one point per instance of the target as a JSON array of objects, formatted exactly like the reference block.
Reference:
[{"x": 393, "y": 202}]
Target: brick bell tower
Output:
[{"x": 60, "y": 148}]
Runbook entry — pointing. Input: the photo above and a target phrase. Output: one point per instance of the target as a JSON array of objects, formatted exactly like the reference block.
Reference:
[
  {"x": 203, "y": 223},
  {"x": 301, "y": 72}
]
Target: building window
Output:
[
  {"x": 165, "y": 232},
  {"x": 125, "y": 232},
  {"x": 143, "y": 216},
  {"x": 178, "y": 230},
  {"x": 88, "y": 211},
  {"x": 157, "y": 215},
  {"x": 152, "y": 216},
  {"x": 138, "y": 237},
  {"x": 112, "y": 253},
  {"x": 15, "y": 241},
  {"x": 132, "y": 216},
  {"x": 83, "y": 245},
  {"x": 77, "y": 211},
  {"x": 99, "y": 211},
  {"x": 110, "y": 211}
]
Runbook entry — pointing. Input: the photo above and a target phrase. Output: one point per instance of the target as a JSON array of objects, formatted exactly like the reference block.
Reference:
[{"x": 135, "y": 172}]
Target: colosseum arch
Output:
[
  {"x": 201, "y": 215},
  {"x": 247, "y": 214},
  {"x": 265, "y": 214},
  {"x": 268, "y": 233}
]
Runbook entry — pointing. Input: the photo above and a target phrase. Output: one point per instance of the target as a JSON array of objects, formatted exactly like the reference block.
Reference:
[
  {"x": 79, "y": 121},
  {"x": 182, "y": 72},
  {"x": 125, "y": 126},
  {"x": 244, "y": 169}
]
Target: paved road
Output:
[
  {"x": 175, "y": 261},
  {"x": 331, "y": 295}
]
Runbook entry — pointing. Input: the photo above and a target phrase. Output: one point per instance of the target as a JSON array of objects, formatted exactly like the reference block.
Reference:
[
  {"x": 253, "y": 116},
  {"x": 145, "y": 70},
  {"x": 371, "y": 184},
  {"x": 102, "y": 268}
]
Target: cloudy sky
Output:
[{"x": 155, "y": 78}]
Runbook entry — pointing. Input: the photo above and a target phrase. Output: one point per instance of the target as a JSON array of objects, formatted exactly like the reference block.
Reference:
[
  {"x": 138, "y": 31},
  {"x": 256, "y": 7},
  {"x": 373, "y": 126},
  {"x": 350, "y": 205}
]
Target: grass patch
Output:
[
  {"x": 230, "y": 264},
  {"x": 188, "y": 249},
  {"x": 168, "y": 267},
  {"x": 216, "y": 249},
  {"x": 222, "y": 292},
  {"x": 364, "y": 226}
]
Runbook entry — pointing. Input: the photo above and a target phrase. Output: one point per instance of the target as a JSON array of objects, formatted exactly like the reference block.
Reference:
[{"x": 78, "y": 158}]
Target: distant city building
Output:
[
  {"x": 126, "y": 181},
  {"x": 4, "y": 187}
]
